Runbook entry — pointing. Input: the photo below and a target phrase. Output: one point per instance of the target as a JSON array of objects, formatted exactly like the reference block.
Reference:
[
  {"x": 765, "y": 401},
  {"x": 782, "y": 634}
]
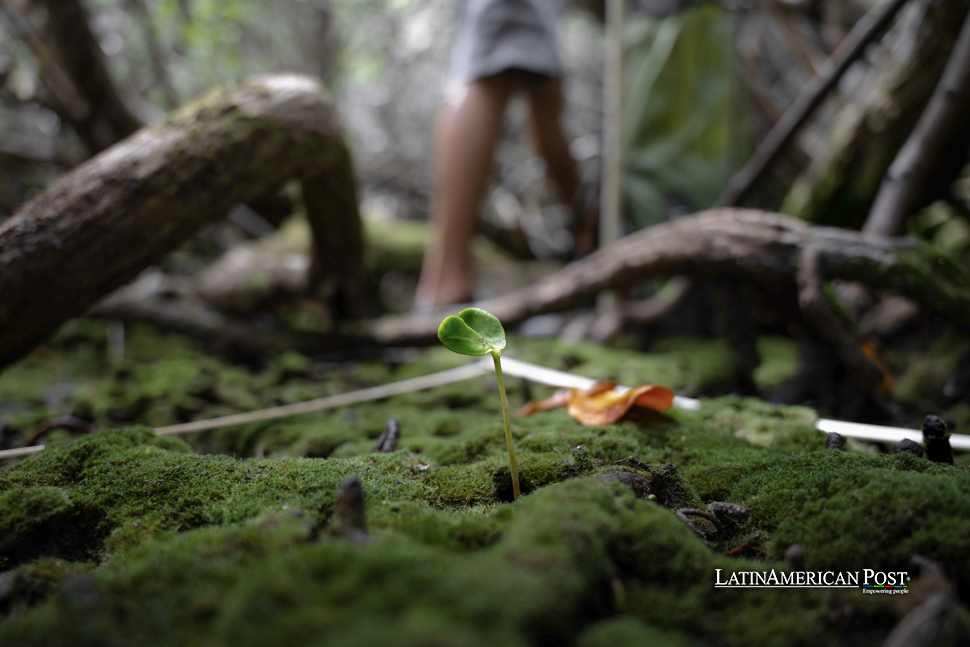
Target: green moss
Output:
[
  {"x": 779, "y": 361},
  {"x": 398, "y": 245},
  {"x": 563, "y": 556},
  {"x": 762, "y": 423},
  {"x": 30, "y": 584},
  {"x": 170, "y": 546},
  {"x": 622, "y": 631},
  {"x": 23, "y": 511},
  {"x": 849, "y": 511}
]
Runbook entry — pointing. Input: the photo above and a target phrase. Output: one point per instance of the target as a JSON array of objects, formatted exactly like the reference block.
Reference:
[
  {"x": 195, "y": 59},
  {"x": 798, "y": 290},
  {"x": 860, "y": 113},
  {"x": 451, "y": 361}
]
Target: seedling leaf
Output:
[
  {"x": 472, "y": 332},
  {"x": 476, "y": 332}
]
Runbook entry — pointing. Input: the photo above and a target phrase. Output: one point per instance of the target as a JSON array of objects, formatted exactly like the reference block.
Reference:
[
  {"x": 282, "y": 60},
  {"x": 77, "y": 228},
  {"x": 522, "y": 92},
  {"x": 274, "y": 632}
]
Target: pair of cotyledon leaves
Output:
[{"x": 472, "y": 332}]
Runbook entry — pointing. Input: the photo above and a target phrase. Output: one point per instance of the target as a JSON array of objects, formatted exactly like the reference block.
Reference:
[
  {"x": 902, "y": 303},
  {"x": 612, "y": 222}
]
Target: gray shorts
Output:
[{"x": 493, "y": 36}]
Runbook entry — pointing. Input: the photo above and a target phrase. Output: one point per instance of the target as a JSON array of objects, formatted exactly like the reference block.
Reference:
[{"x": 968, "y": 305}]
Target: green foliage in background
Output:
[{"x": 677, "y": 111}]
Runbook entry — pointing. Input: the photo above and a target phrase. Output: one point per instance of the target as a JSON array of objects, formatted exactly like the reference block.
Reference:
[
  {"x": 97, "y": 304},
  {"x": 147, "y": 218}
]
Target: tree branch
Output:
[
  {"x": 763, "y": 249},
  {"x": 100, "y": 225}
]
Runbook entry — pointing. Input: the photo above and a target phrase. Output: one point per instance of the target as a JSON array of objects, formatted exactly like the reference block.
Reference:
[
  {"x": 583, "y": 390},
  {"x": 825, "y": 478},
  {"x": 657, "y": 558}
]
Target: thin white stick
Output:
[
  {"x": 559, "y": 379},
  {"x": 20, "y": 452},
  {"x": 871, "y": 433},
  {"x": 883, "y": 434},
  {"x": 331, "y": 402}
]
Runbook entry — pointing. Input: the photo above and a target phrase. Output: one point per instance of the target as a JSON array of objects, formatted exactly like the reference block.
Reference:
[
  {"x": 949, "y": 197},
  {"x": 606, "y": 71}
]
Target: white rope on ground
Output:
[
  {"x": 20, "y": 452},
  {"x": 872, "y": 433},
  {"x": 332, "y": 402},
  {"x": 559, "y": 379},
  {"x": 513, "y": 367},
  {"x": 883, "y": 434}
]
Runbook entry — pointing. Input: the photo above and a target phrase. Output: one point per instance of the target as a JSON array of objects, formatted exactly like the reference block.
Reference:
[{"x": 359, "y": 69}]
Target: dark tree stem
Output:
[
  {"x": 906, "y": 180},
  {"x": 811, "y": 97}
]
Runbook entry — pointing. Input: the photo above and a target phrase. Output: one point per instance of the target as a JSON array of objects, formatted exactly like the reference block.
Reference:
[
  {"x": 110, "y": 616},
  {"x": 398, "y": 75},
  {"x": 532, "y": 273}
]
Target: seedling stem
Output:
[
  {"x": 476, "y": 332},
  {"x": 516, "y": 490}
]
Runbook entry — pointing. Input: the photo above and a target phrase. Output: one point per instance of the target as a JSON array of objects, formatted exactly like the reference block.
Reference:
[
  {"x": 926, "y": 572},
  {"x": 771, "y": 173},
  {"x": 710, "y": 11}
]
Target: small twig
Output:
[
  {"x": 724, "y": 510},
  {"x": 350, "y": 512},
  {"x": 696, "y": 512},
  {"x": 468, "y": 371},
  {"x": 814, "y": 92},
  {"x": 61, "y": 422},
  {"x": 636, "y": 462},
  {"x": 387, "y": 442},
  {"x": 745, "y": 547},
  {"x": 717, "y": 513}
]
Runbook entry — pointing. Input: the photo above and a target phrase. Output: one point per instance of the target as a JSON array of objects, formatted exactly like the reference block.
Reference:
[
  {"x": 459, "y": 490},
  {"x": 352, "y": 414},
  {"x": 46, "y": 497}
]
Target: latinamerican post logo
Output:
[{"x": 869, "y": 580}]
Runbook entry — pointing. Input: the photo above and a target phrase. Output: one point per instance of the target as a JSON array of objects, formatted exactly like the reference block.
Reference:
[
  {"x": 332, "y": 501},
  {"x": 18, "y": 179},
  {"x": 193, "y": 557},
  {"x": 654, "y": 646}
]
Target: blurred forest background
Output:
[{"x": 705, "y": 83}]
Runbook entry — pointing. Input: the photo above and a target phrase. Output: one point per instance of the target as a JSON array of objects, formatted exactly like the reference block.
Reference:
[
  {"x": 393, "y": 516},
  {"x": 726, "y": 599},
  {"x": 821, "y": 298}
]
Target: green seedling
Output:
[{"x": 476, "y": 332}]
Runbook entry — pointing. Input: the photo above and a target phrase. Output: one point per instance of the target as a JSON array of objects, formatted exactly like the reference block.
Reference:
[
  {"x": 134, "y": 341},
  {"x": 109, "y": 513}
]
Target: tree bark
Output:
[
  {"x": 780, "y": 255},
  {"x": 100, "y": 225},
  {"x": 337, "y": 271},
  {"x": 839, "y": 186},
  {"x": 904, "y": 185}
]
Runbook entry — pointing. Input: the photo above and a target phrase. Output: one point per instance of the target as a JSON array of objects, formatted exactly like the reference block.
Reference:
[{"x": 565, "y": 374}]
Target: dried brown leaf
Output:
[{"x": 601, "y": 404}]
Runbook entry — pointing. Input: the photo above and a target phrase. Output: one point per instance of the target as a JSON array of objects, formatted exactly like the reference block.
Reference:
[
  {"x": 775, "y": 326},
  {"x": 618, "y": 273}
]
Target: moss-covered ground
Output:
[{"x": 127, "y": 538}]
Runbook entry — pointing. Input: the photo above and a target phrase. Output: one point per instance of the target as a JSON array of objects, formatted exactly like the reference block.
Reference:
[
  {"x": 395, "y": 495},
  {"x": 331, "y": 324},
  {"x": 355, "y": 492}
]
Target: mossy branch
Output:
[{"x": 102, "y": 224}]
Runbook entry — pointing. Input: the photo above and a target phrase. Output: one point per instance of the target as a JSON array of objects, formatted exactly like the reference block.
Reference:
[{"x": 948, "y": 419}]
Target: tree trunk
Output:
[
  {"x": 100, "y": 225},
  {"x": 840, "y": 185},
  {"x": 337, "y": 271}
]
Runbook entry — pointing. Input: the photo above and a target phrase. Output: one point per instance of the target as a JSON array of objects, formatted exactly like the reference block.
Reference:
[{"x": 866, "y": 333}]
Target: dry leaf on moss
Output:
[{"x": 601, "y": 404}]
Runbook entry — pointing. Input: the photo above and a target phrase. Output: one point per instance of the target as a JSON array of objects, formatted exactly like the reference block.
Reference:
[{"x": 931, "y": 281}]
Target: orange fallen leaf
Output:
[{"x": 601, "y": 404}]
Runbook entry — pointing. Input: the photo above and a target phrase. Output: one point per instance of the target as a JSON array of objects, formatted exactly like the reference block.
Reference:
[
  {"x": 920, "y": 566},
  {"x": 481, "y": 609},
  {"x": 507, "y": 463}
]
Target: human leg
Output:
[
  {"x": 545, "y": 111},
  {"x": 545, "y": 116},
  {"x": 468, "y": 130}
]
